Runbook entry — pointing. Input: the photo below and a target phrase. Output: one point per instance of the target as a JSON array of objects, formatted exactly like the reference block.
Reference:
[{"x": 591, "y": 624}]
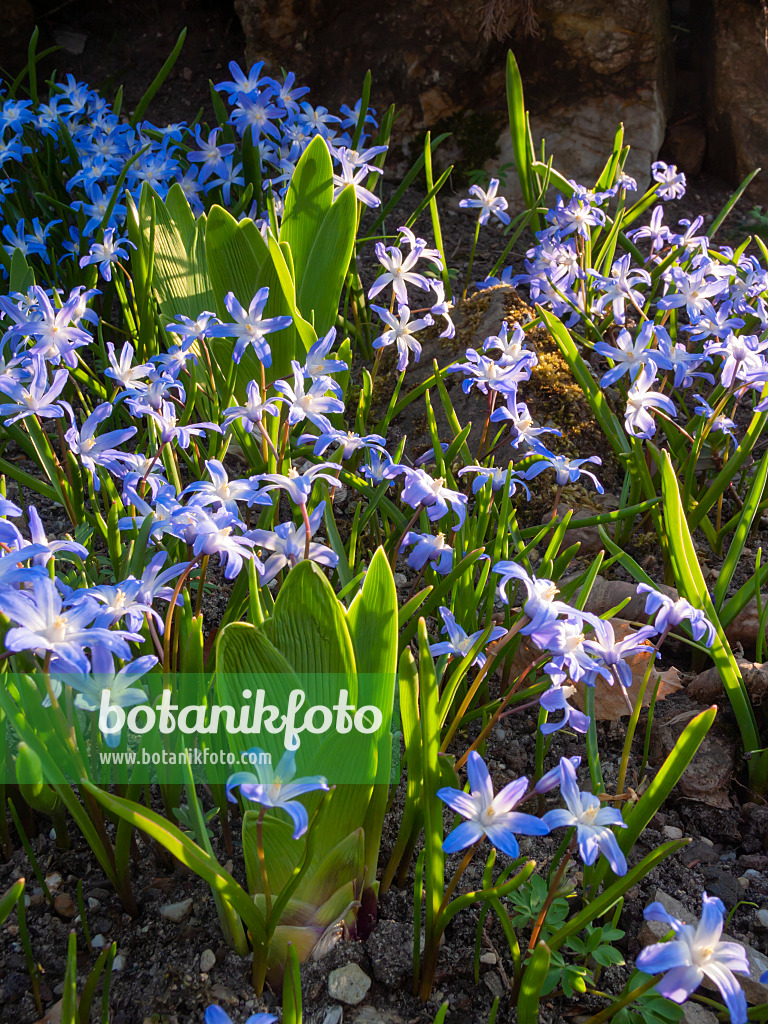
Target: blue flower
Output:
[
  {"x": 421, "y": 489},
  {"x": 488, "y": 202},
  {"x": 45, "y": 623},
  {"x": 249, "y": 328},
  {"x": 541, "y": 606},
  {"x": 671, "y": 181},
  {"x": 400, "y": 332},
  {"x": 641, "y": 400},
  {"x": 695, "y": 954},
  {"x": 670, "y": 613},
  {"x": 554, "y": 777},
  {"x": 275, "y": 788},
  {"x": 119, "y": 686},
  {"x": 567, "y": 471},
  {"x": 591, "y": 821},
  {"x": 34, "y": 398},
  {"x": 95, "y": 451},
  {"x": 314, "y": 404},
  {"x": 491, "y": 816},
  {"x": 429, "y": 549},
  {"x": 556, "y": 699},
  {"x": 288, "y": 545},
  {"x": 106, "y": 253},
  {"x": 459, "y": 643},
  {"x": 215, "y": 1014}
]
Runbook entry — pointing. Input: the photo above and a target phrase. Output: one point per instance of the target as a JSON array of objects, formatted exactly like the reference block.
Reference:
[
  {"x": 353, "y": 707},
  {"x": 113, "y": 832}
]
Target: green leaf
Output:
[
  {"x": 10, "y": 899},
  {"x": 189, "y": 853},
  {"x": 600, "y": 904},
  {"x": 156, "y": 84},
  {"x": 691, "y": 585},
  {"x": 180, "y": 285},
  {"x": 746, "y": 518},
  {"x": 320, "y": 281},
  {"x": 532, "y": 984},
  {"x": 603, "y": 412},
  {"x": 307, "y": 203},
  {"x": 518, "y": 127},
  {"x": 233, "y": 262},
  {"x": 292, "y": 1006}
]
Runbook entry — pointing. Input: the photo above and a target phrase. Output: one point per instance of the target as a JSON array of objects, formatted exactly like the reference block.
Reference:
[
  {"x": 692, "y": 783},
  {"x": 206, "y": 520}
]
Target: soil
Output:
[{"x": 160, "y": 978}]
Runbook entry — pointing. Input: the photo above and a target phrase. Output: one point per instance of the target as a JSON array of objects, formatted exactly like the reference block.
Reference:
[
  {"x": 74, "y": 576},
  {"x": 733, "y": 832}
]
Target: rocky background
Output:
[{"x": 688, "y": 78}]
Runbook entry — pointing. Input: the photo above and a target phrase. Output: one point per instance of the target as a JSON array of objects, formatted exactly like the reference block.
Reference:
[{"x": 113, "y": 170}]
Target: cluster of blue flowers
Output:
[
  {"x": 667, "y": 318},
  {"x": 142, "y": 438},
  {"x": 101, "y": 157}
]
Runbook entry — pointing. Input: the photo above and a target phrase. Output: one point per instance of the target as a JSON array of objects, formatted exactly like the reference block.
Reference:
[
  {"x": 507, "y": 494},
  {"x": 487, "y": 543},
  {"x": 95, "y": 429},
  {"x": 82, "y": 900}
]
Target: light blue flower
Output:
[
  {"x": 488, "y": 202},
  {"x": 459, "y": 642},
  {"x": 487, "y": 815},
  {"x": 215, "y": 1015},
  {"x": 275, "y": 787},
  {"x": 591, "y": 820},
  {"x": 695, "y": 954}
]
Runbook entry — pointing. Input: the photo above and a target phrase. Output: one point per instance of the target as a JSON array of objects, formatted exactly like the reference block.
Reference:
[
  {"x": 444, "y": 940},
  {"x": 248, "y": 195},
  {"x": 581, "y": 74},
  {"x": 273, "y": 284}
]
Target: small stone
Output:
[
  {"x": 753, "y": 875},
  {"x": 334, "y": 1015},
  {"x": 93, "y": 904},
  {"x": 177, "y": 912},
  {"x": 207, "y": 960},
  {"x": 494, "y": 984},
  {"x": 488, "y": 958},
  {"x": 761, "y": 920},
  {"x": 695, "y": 1013},
  {"x": 37, "y": 898},
  {"x": 348, "y": 984},
  {"x": 53, "y": 881},
  {"x": 118, "y": 963},
  {"x": 744, "y": 882},
  {"x": 223, "y": 995},
  {"x": 64, "y": 905},
  {"x": 672, "y": 832},
  {"x": 370, "y": 1015},
  {"x": 98, "y": 941},
  {"x": 400, "y": 579}
]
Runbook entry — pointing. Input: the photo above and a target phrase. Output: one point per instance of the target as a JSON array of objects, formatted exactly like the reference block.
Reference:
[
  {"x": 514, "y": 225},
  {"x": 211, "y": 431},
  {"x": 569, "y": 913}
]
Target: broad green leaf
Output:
[
  {"x": 691, "y": 585},
  {"x": 320, "y": 281},
  {"x": 307, "y": 203},
  {"x": 233, "y": 264},
  {"x": 180, "y": 211}
]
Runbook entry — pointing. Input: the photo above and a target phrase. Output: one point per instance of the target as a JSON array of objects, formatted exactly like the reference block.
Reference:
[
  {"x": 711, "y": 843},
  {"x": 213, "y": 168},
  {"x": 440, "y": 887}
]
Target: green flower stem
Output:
[
  {"x": 471, "y": 259},
  {"x": 490, "y": 662},
  {"x": 551, "y": 894},
  {"x": 625, "y": 1000},
  {"x": 171, "y": 609},
  {"x": 635, "y": 716}
]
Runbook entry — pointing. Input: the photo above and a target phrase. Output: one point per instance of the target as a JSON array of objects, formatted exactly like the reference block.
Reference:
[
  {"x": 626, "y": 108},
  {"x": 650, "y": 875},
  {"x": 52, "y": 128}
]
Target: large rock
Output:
[
  {"x": 738, "y": 93},
  {"x": 586, "y": 66}
]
